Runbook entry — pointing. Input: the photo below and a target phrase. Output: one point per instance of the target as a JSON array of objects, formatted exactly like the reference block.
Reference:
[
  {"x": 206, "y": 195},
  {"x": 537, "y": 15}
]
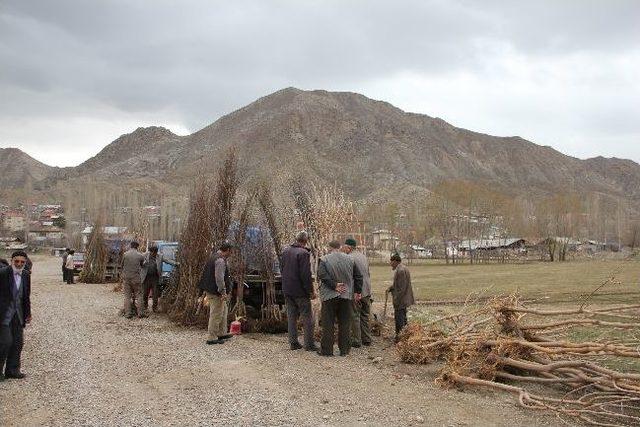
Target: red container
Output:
[{"x": 236, "y": 328}]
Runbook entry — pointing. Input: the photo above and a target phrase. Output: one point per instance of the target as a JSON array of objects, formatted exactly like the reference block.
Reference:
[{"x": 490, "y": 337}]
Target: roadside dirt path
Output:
[{"x": 88, "y": 366}]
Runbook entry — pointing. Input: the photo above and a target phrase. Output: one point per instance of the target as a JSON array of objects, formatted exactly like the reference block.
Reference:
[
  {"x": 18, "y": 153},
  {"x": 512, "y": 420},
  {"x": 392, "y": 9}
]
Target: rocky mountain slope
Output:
[
  {"x": 18, "y": 170},
  {"x": 371, "y": 148}
]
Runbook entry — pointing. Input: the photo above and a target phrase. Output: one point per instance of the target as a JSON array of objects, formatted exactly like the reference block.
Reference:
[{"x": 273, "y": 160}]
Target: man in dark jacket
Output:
[
  {"x": 297, "y": 286},
  {"x": 15, "y": 313},
  {"x": 401, "y": 291},
  {"x": 150, "y": 278},
  {"x": 65, "y": 254},
  {"x": 216, "y": 283}
]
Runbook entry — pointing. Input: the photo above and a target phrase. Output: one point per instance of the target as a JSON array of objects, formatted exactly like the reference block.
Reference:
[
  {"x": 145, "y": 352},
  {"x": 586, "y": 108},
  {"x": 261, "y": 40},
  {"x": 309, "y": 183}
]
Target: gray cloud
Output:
[{"x": 186, "y": 63}]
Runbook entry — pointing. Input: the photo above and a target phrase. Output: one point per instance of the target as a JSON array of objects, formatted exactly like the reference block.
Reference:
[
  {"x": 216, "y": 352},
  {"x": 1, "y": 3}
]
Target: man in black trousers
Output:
[
  {"x": 340, "y": 285},
  {"x": 15, "y": 313},
  {"x": 65, "y": 255},
  {"x": 297, "y": 286}
]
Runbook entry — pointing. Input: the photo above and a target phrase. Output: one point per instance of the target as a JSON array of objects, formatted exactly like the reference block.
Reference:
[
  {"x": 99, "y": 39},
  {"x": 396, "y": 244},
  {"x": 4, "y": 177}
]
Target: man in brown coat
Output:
[
  {"x": 132, "y": 261},
  {"x": 401, "y": 291}
]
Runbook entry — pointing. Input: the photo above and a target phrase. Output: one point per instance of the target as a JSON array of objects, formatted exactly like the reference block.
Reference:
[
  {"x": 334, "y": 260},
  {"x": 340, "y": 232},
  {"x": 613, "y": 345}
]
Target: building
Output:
[
  {"x": 468, "y": 246},
  {"x": 108, "y": 231},
  {"x": 420, "y": 252},
  {"x": 46, "y": 236},
  {"x": 14, "y": 221},
  {"x": 384, "y": 240}
]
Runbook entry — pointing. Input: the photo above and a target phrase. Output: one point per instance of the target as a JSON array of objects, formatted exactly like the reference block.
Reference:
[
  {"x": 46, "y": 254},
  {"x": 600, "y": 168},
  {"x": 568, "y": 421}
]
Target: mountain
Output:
[
  {"x": 374, "y": 150},
  {"x": 20, "y": 171},
  {"x": 130, "y": 153}
]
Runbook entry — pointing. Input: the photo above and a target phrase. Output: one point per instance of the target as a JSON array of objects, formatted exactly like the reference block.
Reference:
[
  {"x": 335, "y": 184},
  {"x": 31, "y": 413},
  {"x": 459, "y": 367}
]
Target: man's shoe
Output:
[
  {"x": 366, "y": 344},
  {"x": 312, "y": 348},
  {"x": 1, "y": 378},
  {"x": 218, "y": 341},
  {"x": 344, "y": 353},
  {"x": 356, "y": 345},
  {"x": 225, "y": 337},
  {"x": 296, "y": 346},
  {"x": 15, "y": 375},
  {"x": 320, "y": 353},
  {"x": 129, "y": 316}
]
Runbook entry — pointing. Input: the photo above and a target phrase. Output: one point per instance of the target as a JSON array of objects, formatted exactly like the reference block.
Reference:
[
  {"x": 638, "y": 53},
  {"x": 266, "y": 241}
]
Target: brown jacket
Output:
[{"x": 401, "y": 290}]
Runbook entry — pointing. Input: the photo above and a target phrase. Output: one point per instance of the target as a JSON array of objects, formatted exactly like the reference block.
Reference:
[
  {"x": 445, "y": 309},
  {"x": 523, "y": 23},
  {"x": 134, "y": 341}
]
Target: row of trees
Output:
[{"x": 461, "y": 209}]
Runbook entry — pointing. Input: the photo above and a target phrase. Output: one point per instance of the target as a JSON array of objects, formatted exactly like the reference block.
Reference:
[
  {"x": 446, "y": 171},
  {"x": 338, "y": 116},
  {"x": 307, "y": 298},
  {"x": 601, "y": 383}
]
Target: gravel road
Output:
[{"x": 88, "y": 366}]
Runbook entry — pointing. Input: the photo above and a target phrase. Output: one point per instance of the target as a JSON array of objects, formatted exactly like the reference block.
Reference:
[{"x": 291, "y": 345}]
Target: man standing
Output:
[
  {"x": 132, "y": 261},
  {"x": 15, "y": 313},
  {"x": 216, "y": 283},
  {"x": 297, "y": 286},
  {"x": 151, "y": 268},
  {"x": 69, "y": 266},
  {"x": 360, "y": 331},
  {"x": 401, "y": 291},
  {"x": 341, "y": 284},
  {"x": 65, "y": 254}
]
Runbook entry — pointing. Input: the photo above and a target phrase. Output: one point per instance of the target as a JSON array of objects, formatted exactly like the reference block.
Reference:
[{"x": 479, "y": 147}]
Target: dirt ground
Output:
[{"x": 88, "y": 366}]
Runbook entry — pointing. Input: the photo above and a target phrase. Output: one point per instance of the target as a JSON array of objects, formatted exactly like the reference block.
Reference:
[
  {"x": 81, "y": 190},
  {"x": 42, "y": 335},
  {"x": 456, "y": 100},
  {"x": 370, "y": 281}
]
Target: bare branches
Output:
[
  {"x": 207, "y": 226},
  {"x": 96, "y": 256},
  {"x": 506, "y": 341}
]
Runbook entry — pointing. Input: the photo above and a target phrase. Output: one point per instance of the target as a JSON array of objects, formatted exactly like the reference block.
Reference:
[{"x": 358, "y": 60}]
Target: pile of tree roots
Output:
[{"x": 537, "y": 356}]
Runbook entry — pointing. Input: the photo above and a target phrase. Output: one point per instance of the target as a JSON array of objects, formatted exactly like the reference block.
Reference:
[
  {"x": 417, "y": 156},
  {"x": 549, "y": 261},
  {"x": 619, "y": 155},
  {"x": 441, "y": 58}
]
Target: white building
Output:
[{"x": 15, "y": 222}]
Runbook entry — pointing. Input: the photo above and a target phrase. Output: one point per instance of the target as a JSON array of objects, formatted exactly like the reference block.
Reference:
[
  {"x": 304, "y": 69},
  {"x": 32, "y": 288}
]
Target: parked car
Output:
[
  {"x": 78, "y": 262},
  {"x": 168, "y": 251}
]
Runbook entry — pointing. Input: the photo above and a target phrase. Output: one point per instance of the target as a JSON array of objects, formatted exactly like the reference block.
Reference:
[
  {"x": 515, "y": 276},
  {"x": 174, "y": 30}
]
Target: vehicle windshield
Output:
[
  {"x": 78, "y": 257},
  {"x": 169, "y": 251}
]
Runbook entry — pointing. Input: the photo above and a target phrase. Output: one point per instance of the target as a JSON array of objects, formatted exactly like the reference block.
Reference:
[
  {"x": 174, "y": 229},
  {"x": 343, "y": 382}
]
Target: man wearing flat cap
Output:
[
  {"x": 360, "y": 331},
  {"x": 340, "y": 284},
  {"x": 401, "y": 291}
]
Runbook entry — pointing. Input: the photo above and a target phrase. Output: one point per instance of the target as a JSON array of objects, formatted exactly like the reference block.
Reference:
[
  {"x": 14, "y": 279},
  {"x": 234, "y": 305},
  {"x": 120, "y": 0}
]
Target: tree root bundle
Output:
[{"x": 509, "y": 347}]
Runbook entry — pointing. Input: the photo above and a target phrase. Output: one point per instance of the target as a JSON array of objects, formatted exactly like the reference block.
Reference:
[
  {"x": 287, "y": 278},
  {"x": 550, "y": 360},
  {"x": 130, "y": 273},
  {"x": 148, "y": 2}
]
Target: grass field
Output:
[
  {"x": 553, "y": 286},
  {"x": 559, "y": 281}
]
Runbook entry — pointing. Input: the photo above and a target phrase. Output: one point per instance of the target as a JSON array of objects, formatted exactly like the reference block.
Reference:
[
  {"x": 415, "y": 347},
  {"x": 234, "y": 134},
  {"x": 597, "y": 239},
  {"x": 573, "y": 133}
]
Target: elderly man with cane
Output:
[{"x": 402, "y": 293}]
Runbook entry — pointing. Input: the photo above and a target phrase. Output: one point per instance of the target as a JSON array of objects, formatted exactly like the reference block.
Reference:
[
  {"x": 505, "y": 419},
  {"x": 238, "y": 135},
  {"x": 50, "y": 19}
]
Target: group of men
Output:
[
  {"x": 68, "y": 266},
  {"x": 345, "y": 292},
  {"x": 141, "y": 274}
]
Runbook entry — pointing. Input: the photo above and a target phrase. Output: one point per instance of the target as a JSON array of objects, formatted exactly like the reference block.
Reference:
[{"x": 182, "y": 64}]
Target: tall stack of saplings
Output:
[
  {"x": 267, "y": 248},
  {"x": 238, "y": 264},
  {"x": 95, "y": 256},
  {"x": 207, "y": 226}
]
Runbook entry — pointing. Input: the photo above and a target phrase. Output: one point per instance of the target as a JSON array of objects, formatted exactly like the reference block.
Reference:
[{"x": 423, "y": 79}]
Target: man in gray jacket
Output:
[
  {"x": 341, "y": 283},
  {"x": 360, "y": 331},
  {"x": 132, "y": 261}
]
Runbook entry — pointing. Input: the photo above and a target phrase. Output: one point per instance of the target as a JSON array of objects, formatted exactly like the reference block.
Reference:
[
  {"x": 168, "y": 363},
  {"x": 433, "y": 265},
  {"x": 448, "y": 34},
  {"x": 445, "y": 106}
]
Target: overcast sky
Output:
[{"x": 75, "y": 75}]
